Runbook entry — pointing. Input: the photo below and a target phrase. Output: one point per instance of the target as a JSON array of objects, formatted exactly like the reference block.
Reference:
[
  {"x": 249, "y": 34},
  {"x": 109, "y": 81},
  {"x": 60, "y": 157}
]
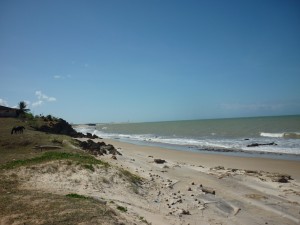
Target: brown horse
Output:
[{"x": 17, "y": 130}]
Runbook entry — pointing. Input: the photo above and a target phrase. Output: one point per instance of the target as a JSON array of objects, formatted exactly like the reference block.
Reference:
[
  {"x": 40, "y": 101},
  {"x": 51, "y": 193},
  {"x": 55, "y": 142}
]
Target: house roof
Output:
[{"x": 6, "y": 108}]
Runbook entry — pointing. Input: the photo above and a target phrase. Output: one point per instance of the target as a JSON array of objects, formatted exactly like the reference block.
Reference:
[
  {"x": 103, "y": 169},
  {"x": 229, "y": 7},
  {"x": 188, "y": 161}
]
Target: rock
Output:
[
  {"x": 89, "y": 135},
  {"x": 58, "y": 127},
  {"x": 159, "y": 161},
  {"x": 189, "y": 189},
  {"x": 98, "y": 148},
  {"x": 184, "y": 212},
  {"x": 219, "y": 168},
  {"x": 114, "y": 157},
  {"x": 282, "y": 179},
  {"x": 257, "y": 144},
  {"x": 208, "y": 190},
  {"x": 251, "y": 171}
]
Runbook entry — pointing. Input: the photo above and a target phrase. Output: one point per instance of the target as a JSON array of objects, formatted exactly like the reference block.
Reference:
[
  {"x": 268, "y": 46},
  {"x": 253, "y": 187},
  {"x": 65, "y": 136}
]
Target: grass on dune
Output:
[{"x": 50, "y": 156}]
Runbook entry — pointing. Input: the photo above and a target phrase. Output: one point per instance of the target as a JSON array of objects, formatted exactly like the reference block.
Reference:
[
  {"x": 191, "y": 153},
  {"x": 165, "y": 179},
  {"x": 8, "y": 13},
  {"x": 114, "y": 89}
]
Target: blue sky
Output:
[{"x": 104, "y": 61}]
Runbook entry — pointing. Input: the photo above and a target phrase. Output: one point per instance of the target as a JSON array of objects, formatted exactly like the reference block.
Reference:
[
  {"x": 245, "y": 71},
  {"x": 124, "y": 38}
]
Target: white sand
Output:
[{"x": 241, "y": 197}]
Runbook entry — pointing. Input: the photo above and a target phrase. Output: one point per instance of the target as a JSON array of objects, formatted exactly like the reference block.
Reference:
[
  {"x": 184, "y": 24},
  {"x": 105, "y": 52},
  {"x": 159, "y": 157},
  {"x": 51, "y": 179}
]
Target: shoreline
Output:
[
  {"x": 199, "y": 188},
  {"x": 270, "y": 137},
  {"x": 216, "y": 151},
  {"x": 290, "y": 167}
]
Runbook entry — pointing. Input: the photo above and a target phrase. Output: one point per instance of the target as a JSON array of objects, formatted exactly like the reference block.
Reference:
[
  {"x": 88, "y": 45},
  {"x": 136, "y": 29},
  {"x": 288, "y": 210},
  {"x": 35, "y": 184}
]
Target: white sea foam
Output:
[
  {"x": 284, "y": 145},
  {"x": 273, "y": 135},
  {"x": 281, "y": 135}
]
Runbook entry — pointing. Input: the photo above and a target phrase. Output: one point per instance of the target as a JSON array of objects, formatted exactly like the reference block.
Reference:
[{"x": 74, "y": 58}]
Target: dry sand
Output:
[
  {"x": 189, "y": 188},
  {"x": 246, "y": 189}
]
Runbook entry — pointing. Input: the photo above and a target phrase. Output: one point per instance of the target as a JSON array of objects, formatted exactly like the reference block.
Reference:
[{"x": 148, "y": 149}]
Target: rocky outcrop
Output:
[
  {"x": 98, "y": 148},
  {"x": 58, "y": 127},
  {"x": 61, "y": 126}
]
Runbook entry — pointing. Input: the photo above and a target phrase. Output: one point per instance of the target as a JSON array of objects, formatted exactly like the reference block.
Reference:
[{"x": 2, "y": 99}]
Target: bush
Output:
[
  {"x": 74, "y": 195},
  {"x": 49, "y": 117},
  {"x": 121, "y": 208}
]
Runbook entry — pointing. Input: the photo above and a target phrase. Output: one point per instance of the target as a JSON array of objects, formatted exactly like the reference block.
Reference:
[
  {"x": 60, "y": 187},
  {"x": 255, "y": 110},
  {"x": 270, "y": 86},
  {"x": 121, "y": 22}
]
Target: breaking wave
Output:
[
  {"x": 294, "y": 135},
  {"x": 286, "y": 143}
]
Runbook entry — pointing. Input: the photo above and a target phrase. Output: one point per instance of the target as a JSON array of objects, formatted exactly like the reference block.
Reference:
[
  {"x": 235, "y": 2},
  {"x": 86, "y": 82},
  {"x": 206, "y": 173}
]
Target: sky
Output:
[{"x": 141, "y": 60}]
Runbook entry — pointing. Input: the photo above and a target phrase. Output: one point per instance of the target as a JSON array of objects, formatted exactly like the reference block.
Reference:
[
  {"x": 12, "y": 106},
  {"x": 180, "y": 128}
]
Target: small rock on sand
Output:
[{"x": 159, "y": 161}]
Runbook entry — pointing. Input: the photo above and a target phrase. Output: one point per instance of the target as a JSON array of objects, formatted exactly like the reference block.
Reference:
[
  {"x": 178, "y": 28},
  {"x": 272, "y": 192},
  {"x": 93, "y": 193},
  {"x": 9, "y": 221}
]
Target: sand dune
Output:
[{"x": 188, "y": 188}]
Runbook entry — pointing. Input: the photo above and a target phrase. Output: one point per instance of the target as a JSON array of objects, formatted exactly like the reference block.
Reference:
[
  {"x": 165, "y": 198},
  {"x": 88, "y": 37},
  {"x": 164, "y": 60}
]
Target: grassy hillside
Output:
[
  {"x": 21, "y": 146},
  {"x": 21, "y": 161}
]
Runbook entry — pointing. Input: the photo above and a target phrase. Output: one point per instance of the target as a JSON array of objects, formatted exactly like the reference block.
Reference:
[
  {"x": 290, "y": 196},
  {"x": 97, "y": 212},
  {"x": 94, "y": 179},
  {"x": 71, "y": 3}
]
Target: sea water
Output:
[{"x": 279, "y": 135}]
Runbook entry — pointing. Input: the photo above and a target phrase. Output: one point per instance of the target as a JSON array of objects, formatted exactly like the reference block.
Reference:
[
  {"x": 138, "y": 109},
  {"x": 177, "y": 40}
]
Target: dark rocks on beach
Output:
[
  {"x": 282, "y": 178},
  {"x": 219, "y": 168},
  {"x": 251, "y": 171},
  {"x": 257, "y": 144},
  {"x": 91, "y": 136},
  {"x": 98, "y": 148},
  {"x": 159, "y": 161},
  {"x": 184, "y": 212}
]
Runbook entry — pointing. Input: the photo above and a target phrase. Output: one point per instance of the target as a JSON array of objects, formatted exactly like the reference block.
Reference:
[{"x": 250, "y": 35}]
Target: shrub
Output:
[
  {"x": 121, "y": 208},
  {"x": 89, "y": 167},
  {"x": 74, "y": 195}
]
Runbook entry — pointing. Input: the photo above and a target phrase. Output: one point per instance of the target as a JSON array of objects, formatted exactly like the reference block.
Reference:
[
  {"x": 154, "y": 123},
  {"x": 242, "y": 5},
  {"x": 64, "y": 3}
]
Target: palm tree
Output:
[{"x": 22, "y": 108}]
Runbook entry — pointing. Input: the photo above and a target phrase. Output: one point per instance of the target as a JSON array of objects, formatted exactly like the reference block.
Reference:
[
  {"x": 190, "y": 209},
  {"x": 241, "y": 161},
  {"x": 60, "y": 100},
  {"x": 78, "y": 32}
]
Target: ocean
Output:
[{"x": 277, "y": 137}]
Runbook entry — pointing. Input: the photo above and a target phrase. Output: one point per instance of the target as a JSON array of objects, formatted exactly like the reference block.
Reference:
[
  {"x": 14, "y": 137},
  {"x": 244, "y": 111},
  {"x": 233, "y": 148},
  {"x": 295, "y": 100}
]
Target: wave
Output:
[
  {"x": 285, "y": 144},
  {"x": 292, "y": 135},
  {"x": 273, "y": 135}
]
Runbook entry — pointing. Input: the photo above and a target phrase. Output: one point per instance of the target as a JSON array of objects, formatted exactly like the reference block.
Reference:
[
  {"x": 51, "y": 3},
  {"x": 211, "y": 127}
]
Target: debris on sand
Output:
[{"x": 160, "y": 161}]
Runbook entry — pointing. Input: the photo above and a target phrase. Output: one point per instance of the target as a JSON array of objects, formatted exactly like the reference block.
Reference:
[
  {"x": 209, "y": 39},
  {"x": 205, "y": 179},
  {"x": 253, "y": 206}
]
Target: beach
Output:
[
  {"x": 211, "y": 160},
  {"x": 194, "y": 188},
  {"x": 114, "y": 182}
]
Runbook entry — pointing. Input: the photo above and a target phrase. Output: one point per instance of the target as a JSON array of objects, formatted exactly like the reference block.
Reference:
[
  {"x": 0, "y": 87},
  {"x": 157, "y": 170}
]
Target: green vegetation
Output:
[
  {"x": 58, "y": 208},
  {"x": 50, "y": 156},
  {"x": 57, "y": 141},
  {"x": 23, "y": 146},
  {"x": 89, "y": 167},
  {"x": 22, "y": 108},
  {"x": 121, "y": 208},
  {"x": 74, "y": 195},
  {"x": 135, "y": 179}
]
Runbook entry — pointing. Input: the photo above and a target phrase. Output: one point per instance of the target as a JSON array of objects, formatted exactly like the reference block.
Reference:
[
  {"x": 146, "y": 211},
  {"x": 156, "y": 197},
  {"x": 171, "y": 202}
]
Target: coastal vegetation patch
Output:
[
  {"x": 122, "y": 208},
  {"x": 87, "y": 160},
  {"x": 89, "y": 167},
  {"x": 132, "y": 178},
  {"x": 74, "y": 195}
]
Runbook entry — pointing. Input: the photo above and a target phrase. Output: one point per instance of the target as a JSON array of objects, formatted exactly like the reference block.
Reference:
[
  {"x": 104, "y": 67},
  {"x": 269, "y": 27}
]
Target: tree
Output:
[{"x": 22, "y": 108}]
